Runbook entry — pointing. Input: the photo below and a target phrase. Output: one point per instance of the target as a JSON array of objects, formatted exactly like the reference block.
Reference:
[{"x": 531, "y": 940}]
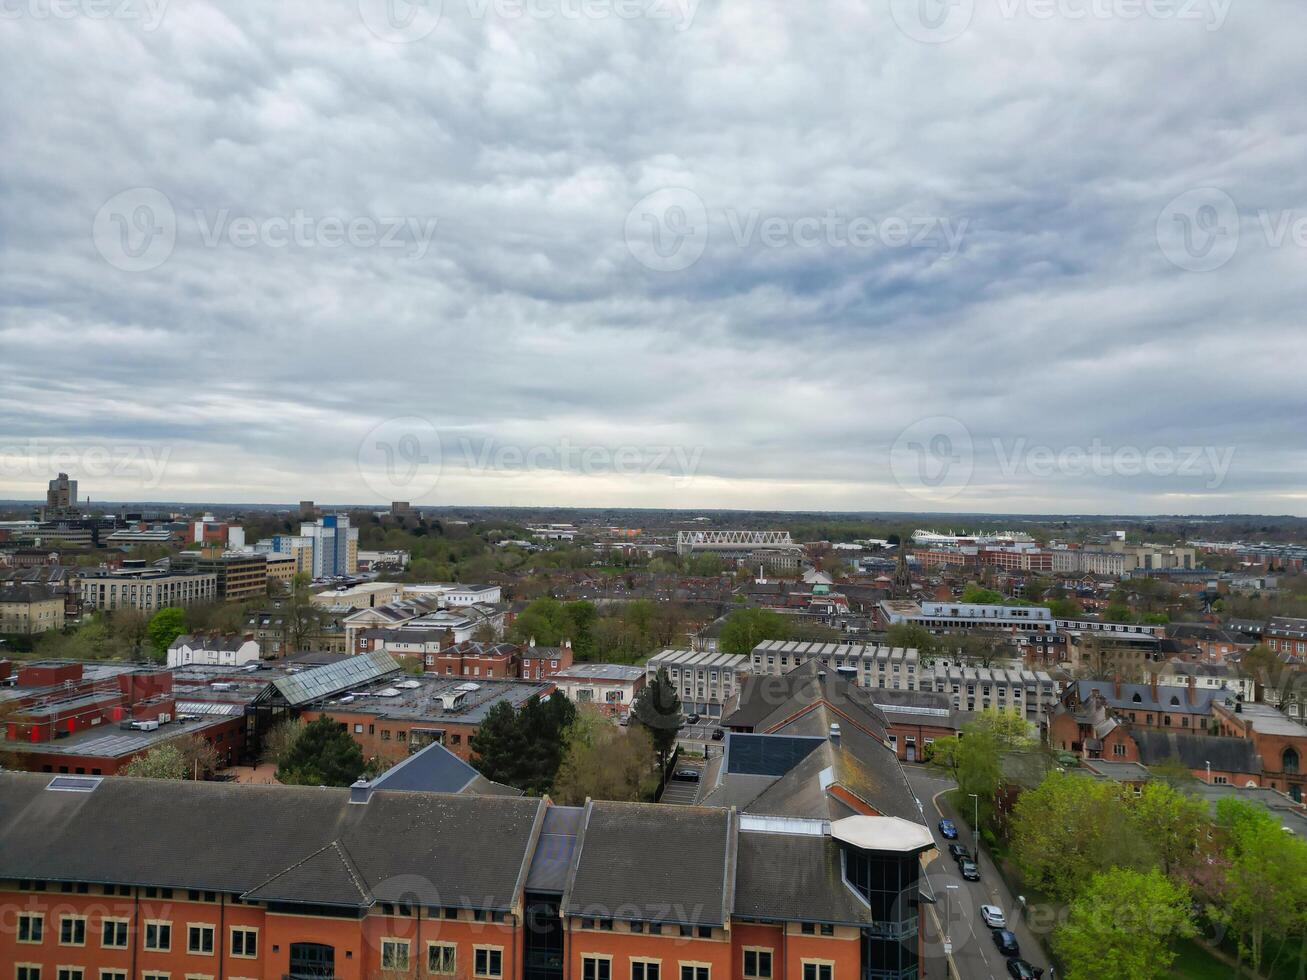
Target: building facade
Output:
[
  {"x": 146, "y": 588},
  {"x": 335, "y": 545}
]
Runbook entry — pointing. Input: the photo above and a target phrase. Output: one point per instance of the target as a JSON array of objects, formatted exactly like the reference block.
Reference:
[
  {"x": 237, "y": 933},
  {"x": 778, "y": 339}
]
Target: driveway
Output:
[
  {"x": 683, "y": 792},
  {"x": 958, "y": 908}
]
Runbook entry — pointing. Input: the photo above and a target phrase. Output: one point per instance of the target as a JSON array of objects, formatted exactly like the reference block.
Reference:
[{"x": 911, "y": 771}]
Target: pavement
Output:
[{"x": 956, "y": 915}]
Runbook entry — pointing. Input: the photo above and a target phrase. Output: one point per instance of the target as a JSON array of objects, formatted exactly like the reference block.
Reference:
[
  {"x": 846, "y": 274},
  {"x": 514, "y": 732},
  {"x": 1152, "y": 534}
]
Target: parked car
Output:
[
  {"x": 689, "y": 775},
  {"x": 948, "y": 830},
  {"x": 1023, "y": 971},
  {"x": 993, "y": 916},
  {"x": 692, "y": 719},
  {"x": 958, "y": 851},
  {"x": 970, "y": 870},
  {"x": 1006, "y": 941},
  {"x": 718, "y": 734}
]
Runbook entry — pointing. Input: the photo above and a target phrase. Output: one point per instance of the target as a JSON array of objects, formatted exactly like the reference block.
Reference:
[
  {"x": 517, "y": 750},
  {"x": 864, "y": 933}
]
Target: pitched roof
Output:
[
  {"x": 428, "y": 848},
  {"x": 791, "y": 876},
  {"x": 1195, "y": 751},
  {"x": 654, "y": 862}
]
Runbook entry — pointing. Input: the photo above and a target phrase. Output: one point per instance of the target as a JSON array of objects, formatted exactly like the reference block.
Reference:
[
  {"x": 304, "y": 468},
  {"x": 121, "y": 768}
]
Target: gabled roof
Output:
[{"x": 1195, "y": 751}]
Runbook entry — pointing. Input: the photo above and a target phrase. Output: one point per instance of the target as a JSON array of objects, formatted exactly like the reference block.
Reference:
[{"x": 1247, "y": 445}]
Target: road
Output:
[{"x": 958, "y": 908}]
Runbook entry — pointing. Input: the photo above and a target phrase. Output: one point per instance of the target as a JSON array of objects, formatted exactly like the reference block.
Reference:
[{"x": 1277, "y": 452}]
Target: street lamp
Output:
[
  {"x": 1209, "y": 772},
  {"x": 975, "y": 819}
]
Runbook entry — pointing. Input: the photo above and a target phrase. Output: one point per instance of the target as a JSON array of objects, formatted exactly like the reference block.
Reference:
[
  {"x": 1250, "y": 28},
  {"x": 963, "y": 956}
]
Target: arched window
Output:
[
  {"x": 1290, "y": 760},
  {"x": 1137, "y": 699}
]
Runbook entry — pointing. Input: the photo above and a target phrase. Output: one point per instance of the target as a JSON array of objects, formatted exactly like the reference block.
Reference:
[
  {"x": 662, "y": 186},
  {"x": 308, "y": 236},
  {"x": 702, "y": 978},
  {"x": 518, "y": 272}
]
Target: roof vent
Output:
[
  {"x": 835, "y": 733},
  {"x": 360, "y": 791}
]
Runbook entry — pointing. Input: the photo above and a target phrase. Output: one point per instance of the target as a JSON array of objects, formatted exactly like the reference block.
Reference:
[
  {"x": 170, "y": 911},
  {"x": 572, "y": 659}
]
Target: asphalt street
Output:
[{"x": 958, "y": 906}]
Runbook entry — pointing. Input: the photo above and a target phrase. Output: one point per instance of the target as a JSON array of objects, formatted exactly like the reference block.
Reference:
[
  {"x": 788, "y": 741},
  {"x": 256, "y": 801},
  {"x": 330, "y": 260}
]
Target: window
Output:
[
  {"x": 72, "y": 930},
  {"x": 113, "y": 975},
  {"x": 645, "y": 969},
  {"x": 199, "y": 939},
  {"x": 818, "y": 971},
  {"x": 244, "y": 942},
  {"x": 113, "y": 933},
  {"x": 394, "y": 954},
  {"x": 695, "y": 971},
  {"x": 27, "y": 971},
  {"x": 757, "y": 964},
  {"x": 154, "y": 976},
  {"x": 158, "y": 936},
  {"x": 808, "y": 929},
  {"x": 827, "y": 930},
  {"x": 1118, "y": 749},
  {"x": 31, "y": 927},
  {"x": 441, "y": 957},
  {"x": 488, "y": 961},
  {"x": 69, "y": 973},
  {"x": 596, "y": 968}
]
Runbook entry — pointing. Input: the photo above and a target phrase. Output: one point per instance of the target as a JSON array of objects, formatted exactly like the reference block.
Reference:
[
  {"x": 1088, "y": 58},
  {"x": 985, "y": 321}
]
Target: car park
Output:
[
  {"x": 970, "y": 870},
  {"x": 993, "y": 916},
  {"x": 1006, "y": 941},
  {"x": 689, "y": 775},
  {"x": 948, "y": 830}
]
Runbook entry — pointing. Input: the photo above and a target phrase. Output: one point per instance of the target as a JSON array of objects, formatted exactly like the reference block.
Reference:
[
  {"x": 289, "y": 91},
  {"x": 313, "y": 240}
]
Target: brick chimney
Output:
[
  {"x": 1152, "y": 685},
  {"x": 1116, "y": 686},
  {"x": 1192, "y": 695}
]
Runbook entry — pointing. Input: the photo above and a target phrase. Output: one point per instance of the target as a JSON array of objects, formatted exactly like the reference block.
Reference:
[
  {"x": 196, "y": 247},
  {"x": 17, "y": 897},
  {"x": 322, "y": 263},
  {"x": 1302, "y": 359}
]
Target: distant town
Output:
[{"x": 921, "y": 718}]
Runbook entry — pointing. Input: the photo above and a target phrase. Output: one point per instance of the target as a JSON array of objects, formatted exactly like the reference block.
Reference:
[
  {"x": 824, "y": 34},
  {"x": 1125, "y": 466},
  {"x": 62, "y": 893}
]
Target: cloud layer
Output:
[{"x": 1028, "y": 255}]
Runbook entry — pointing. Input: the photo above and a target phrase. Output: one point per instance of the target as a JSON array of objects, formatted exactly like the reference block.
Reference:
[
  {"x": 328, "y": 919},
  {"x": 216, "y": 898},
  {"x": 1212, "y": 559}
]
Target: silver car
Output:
[{"x": 993, "y": 916}]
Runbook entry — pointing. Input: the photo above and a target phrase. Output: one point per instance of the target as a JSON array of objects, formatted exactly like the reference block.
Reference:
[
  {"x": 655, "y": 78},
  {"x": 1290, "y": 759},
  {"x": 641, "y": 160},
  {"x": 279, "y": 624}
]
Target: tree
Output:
[
  {"x": 498, "y": 744},
  {"x": 199, "y": 757},
  {"x": 131, "y": 628},
  {"x": 911, "y": 636},
  {"x": 323, "y": 755},
  {"x": 657, "y": 708},
  {"x": 1263, "y": 894},
  {"x": 981, "y": 596},
  {"x": 523, "y": 748},
  {"x": 1173, "y": 772},
  {"x": 1070, "y": 827},
  {"x": 1124, "y": 926},
  {"x": 1065, "y": 608},
  {"x": 606, "y": 762},
  {"x": 303, "y": 618},
  {"x": 165, "y": 626},
  {"x": 279, "y": 740},
  {"x": 161, "y": 762},
  {"x": 1170, "y": 822},
  {"x": 744, "y": 629}
]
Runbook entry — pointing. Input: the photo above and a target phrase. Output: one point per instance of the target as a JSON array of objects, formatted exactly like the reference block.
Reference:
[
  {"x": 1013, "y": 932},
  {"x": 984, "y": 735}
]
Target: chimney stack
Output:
[
  {"x": 1116, "y": 686},
  {"x": 1192, "y": 696}
]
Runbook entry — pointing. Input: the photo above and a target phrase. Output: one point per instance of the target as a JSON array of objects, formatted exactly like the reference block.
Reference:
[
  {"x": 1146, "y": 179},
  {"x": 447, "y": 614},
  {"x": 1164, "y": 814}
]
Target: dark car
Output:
[
  {"x": 958, "y": 851},
  {"x": 718, "y": 734},
  {"x": 689, "y": 775},
  {"x": 948, "y": 830},
  {"x": 1006, "y": 941},
  {"x": 970, "y": 870},
  {"x": 692, "y": 719},
  {"x": 1023, "y": 970}
]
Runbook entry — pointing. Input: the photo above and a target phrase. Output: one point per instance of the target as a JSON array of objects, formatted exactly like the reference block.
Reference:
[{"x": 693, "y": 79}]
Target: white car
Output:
[{"x": 993, "y": 916}]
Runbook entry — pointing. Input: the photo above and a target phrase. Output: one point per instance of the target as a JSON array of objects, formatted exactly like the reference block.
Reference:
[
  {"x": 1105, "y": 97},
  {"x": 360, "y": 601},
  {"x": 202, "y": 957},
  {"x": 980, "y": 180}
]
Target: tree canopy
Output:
[
  {"x": 744, "y": 629},
  {"x": 165, "y": 626},
  {"x": 524, "y": 748},
  {"x": 657, "y": 709},
  {"x": 324, "y": 754}
]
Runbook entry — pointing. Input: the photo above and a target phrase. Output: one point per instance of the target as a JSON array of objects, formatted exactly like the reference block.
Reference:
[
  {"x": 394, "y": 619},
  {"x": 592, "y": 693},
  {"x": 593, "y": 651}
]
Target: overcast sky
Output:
[{"x": 1010, "y": 255}]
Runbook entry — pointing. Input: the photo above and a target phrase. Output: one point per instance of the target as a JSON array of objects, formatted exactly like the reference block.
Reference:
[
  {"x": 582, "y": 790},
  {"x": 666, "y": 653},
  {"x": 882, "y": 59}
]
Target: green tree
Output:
[
  {"x": 1065, "y": 608},
  {"x": 657, "y": 708},
  {"x": 1124, "y": 926},
  {"x": 524, "y": 748},
  {"x": 982, "y": 596},
  {"x": 606, "y": 762},
  {"x": 165, "y": 626},
  {"x": 323, "y": 755},
  {"x": 744, "y": 629},
  {"x": 911, "y": 636},
  {"x": 1070, "y": 827},
  {"x": 161, "y": 762},
  {"x": 1170, "y": 822}
]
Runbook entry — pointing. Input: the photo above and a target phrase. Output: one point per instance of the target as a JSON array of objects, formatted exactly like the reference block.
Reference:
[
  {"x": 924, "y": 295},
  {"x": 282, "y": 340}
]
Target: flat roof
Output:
[
  {"x": 882, "y": 834},
  {"x": 108, "y": 741},
  {"x": 600, "y": 672},
  {"x": 421, "y": 698}
]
